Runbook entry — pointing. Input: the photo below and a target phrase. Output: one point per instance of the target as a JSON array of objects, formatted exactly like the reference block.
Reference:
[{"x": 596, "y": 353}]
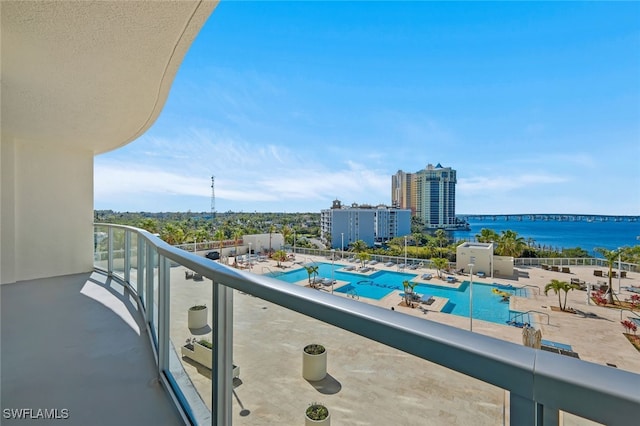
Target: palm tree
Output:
[
  {"x": 363, "y": 257},
  {"x": 219, "y": 235},
  {"x": 358, "y": 246},
  {"x": 272, "y": 229},
  {"x": 510, "y": 244},
  {"x": 237, "y": 234},
  {"x": 311, "y": 270},
  {"x": 441, "y": 237},
  {"x": 287, "y": 234},
  {"x": 408, "y": 291},
  {"x": 611, "y": 256},
  {"x": 487, "y": 235},
  {"x": 279, "y": 256},
  {"x": 149, "y": 224},
  {"x": 439, "y": 263},
  {"x": 172, "y": 234},
  {"x": 557, "y": 286}
]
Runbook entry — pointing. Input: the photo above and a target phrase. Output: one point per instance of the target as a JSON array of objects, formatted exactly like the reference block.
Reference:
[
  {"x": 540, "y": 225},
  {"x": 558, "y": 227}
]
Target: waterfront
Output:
[{"x": 559, "y": 234}]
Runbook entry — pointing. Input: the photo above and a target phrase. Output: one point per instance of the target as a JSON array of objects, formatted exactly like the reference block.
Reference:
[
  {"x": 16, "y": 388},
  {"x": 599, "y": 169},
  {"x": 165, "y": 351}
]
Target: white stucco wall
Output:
[
  {"x": 503, "y": 266},
  {"x": 260, "y": 242},
  {"x": 47, "y": 211},
  {"x": 481, "y": 253}
]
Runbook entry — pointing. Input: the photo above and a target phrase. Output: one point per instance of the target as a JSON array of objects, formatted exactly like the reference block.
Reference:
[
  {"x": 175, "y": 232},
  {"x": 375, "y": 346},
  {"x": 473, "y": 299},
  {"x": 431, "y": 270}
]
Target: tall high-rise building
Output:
[{"x": 430, "y": 194}]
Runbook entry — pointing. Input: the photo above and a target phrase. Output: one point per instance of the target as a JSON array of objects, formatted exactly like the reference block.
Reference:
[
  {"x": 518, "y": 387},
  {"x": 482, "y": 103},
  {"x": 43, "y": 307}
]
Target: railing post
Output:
[
  {"x": 110, "y": 252},
  {"x": 547, "y": 415},
  {"x": 148, "y": 294},
  {"x": 127, "y": 256},
  {"x": 222, "y": 374},
  {"x": 163, "y": 314},
  {"x": 523, "y": 411},
  {"x": 141, "y": 267}
]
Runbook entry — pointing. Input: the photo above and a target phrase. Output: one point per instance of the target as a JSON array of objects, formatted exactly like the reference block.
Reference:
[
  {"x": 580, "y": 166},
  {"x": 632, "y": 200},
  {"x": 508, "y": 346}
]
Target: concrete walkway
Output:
[{"x": 78, "y": 345}]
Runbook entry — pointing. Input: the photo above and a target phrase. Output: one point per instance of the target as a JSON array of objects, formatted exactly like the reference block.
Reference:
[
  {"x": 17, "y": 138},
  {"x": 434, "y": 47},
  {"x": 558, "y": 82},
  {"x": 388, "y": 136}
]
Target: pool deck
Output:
[
  {"x": 590, "y": 331},
  {"x": 369, "y": 383}
]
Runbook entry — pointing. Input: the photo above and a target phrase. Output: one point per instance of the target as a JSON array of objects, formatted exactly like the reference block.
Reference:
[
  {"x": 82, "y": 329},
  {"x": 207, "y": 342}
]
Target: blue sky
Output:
[{"x": 293, "y": 104}]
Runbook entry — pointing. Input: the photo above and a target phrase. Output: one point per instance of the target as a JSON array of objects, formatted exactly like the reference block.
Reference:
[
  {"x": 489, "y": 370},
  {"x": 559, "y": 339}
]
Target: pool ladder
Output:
[
  {"x": 522, "y": 314},
  {"x": 353, "y": 294}
]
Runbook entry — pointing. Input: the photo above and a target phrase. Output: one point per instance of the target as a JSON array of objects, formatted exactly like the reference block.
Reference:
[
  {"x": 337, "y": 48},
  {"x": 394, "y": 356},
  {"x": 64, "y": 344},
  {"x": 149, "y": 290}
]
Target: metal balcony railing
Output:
[{"x": 541, "y": 384}]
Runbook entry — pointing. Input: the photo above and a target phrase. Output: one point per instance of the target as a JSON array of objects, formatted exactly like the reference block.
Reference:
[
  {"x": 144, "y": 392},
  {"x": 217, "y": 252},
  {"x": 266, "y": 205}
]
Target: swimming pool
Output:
[{"x": 486, "y": 305}]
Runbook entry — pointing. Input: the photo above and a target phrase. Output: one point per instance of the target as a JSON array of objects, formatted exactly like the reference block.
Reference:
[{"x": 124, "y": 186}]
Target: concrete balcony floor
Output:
[{"x": 78, "y": 343}]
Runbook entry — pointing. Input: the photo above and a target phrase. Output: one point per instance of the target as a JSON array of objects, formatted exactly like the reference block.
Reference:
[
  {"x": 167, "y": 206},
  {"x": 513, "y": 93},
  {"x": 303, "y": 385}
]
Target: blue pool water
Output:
[{"x": 487, "y": 306}]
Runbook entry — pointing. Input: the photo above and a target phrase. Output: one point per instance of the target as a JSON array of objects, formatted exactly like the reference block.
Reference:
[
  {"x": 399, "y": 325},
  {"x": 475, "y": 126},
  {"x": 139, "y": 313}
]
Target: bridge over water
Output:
[{"x": 551, "y": 217}]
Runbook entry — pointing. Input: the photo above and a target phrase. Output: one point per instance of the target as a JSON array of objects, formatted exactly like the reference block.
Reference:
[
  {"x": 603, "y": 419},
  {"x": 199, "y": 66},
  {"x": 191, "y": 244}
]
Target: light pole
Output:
[
  {"x": 333, "y": 256},
  {"x": 491, "y": 260},
  {"x": 619, "y": 267},
  {"x": 294, "y": 241},
  {"x": 342, "y": 246},
  {"x": 471, "y": 297},
  {"x": 405, "y": 251},
  {"x": 249, "y": 257}
]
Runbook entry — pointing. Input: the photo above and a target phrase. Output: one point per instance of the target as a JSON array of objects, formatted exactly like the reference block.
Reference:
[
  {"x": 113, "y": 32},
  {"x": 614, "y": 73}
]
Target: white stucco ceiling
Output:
[{"x": 91, "y": 74}]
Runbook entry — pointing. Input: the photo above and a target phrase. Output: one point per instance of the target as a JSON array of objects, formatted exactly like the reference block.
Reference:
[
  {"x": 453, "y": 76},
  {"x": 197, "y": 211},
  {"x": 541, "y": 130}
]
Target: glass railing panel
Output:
[
  {"x": 154, "y": 292},
  {"x": 133, "y": 262},
  {"x": 118, "y": 252},
  {"x": 142, "y": 264},
  {"x": 101, "y": 247},
  {"x": 366, "y": 382},
  {"x": 190, "y": 368}
]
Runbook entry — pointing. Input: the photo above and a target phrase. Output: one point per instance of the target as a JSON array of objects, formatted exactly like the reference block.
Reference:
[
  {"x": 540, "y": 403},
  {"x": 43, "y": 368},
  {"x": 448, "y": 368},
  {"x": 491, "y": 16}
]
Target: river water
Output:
[{"x": 557, "y": 234}]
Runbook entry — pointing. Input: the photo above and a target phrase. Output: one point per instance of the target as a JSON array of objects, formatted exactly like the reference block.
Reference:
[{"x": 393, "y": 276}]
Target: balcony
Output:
[{"x": 384, "y": 367}]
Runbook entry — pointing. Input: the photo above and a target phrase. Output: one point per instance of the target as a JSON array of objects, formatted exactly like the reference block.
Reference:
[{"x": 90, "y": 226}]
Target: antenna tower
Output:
[{"x": 213, "y": 203}]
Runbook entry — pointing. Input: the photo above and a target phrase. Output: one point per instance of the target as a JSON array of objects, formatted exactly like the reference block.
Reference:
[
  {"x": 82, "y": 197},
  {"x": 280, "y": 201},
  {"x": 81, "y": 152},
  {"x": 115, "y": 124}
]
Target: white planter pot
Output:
[
  {"x": 198, "y": 319},
  {"x": 314, "y": 367},
  {"x": 324, "y": 422}
]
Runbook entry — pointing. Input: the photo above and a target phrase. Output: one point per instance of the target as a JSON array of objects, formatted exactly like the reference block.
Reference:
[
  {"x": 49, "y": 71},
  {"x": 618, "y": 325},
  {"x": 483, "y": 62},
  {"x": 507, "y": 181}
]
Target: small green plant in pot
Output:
[
  {"x": 314, "y": 349},
  {"x": 317, "y": 414},
  {"x": 207, "y": 344}
]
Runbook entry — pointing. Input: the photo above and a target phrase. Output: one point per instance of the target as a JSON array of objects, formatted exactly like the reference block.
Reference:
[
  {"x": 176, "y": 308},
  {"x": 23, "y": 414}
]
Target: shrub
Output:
[
  {"x": 629, "y": 326},
  {"x": 317, "y": 411},
  {"x": 314, "y": 349},
  {"x": 207, "y": 344},
  {"x": 198, "y": 307}
]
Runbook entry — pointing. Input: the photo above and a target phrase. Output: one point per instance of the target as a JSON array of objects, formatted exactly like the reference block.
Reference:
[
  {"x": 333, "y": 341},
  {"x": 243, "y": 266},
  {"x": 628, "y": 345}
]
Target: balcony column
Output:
[{"x": 222, "y": 373}]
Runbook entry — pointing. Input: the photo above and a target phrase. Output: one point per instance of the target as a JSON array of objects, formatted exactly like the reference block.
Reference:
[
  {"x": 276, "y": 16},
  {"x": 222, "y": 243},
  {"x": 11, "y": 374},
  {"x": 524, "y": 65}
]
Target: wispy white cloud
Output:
[
  {"x": 277, "y": 179},
  {"x": 507, "y": 183}
]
